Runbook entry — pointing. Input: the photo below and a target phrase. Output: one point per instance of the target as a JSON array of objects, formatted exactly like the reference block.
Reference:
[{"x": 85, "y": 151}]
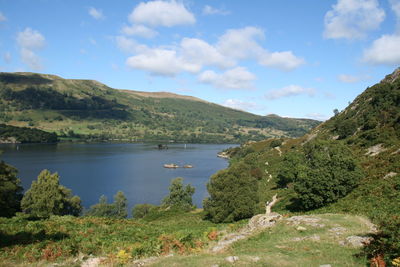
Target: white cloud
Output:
[
  {"x": 139, "y": 30},
  {"x": 30, "y": 40},
  {"x": 243, "y": 43},
  {"x": 240, "y": 105},
  {"x": 346, "y": 78},
  {"x": 96, "y": 13},
  {"x": 202, "y": 53},
  {"x": 7, "y": 57},
  {"x": 194, "y": 54},
  {"x": 130, "y": 46},
  {"x": 352, "y": 19},
  {"x": 2, "y": 17},
  {"x": 281, "y": 60},
  {"x": 237, "y": 78},
  {"x": 385, "y": 50},
  {"x": 161, "y": 13},
  {"x": 209, "y": 10},
  {"x": 161, "y": 62},
  {"x": 291, "y": 90},
  {"x": 395, "y": 5}
]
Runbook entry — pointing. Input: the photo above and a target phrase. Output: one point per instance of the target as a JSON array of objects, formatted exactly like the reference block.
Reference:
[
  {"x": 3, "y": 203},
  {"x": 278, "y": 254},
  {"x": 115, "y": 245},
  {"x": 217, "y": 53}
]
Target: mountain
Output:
[
  {"x": 89, "y": 109},
  {"x": 368, "y": 130}
]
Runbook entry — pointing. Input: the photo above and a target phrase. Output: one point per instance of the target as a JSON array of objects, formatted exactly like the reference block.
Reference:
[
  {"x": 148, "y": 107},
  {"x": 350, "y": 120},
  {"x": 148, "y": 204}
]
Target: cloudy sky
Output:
[{"x": 287, "y": 57}]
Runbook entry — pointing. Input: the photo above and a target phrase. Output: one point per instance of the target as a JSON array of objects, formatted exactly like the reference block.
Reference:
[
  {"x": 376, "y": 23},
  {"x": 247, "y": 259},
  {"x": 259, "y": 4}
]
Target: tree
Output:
[
  {"x": 233, "y": 195},
  {"x": 180, "y": 197},
  {"x": 120, "y": 205},
  {"x": 322, "y": 173},
  {"x": 10, "y": 190},
  {"x": 117, "y": 209},
  {"x": 47, "y": 197},
  {"x": 336, "y": 112},
  {"x": 141, "y": 210}
]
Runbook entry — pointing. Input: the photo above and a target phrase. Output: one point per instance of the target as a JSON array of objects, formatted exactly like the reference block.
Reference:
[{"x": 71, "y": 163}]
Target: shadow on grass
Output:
[{"x": 25, "y": 238}]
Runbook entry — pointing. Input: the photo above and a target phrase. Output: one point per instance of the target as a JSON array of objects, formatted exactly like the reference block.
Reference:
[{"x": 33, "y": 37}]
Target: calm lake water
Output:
[{"x": 92, "y": 170}]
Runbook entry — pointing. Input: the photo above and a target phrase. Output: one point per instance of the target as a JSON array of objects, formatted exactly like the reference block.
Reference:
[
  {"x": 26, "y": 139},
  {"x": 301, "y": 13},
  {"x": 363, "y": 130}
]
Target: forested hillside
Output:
[
  {"x": 91, "y": 110},
  {"x": 349, "y": 164}
]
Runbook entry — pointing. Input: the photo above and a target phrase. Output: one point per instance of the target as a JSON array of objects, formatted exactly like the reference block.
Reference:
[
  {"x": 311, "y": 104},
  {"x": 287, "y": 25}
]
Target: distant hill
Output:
[
  {"x": 91, "y": 110},
  {"x": 369, "y": 127}
]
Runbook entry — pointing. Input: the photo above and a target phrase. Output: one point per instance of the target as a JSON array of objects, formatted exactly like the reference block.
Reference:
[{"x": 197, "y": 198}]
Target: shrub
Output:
[
  {"x": 47, "y": 197},
  {"x": 117, "y": 209},
  {"x": 275, "y": 143},
  {"x": 141, "y": 210},
  {"x": 179, "y": 197},
  {"x": 386, "y": 242},
  {"x": 322, "y": 172},
  {"x": 233, "y": 195}
]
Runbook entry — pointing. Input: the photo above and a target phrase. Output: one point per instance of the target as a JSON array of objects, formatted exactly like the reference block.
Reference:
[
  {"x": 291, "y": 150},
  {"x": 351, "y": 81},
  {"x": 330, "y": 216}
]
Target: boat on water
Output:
[
  {"x": 171, "y": 166},
  {"x": 174, "y": 166}
]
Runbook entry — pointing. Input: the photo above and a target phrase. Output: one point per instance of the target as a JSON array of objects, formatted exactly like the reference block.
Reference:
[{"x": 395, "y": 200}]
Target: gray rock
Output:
[
  {"x": 306, "y": 220},
  {"x": 301, "y": 228},
  {"x": 357, "y": 241},
  {"x": 232, "y": 259},
  {"x": 325, "y": 265},
  {"x": 263, "y": 221},
  {"x": 311, "y": 238},
  {"x": 337, "y": 230},
  {"x": 389, "y": 175},
  {"x": 255, "y": 259}
]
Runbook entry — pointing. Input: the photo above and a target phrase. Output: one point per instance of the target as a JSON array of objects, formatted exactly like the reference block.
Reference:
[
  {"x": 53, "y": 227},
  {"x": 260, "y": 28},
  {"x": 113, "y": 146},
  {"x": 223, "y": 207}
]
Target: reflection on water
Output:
[{"x": 91, "y": 170}]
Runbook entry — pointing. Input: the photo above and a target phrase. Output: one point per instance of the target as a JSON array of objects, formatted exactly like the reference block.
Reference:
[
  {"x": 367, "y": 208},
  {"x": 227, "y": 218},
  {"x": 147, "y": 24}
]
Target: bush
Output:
[
  {"x": 233, "y": 195},
  {"x": 322, "y": 172},
  {"x": 141, "y": 210},
  {"x": 47, "y": 197},
  {"x": 180, "y": 197},
  {"x": 386, "y": 242},
  {"x": 10, "y": 190},
  {"x": 117, "y": 209},
  {"x": 275, "y": 143}
]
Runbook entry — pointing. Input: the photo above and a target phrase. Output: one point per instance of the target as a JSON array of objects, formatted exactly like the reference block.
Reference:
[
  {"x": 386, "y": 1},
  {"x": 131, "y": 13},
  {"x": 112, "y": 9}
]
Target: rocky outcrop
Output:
[
  {"x": 255, "y": 225},
  {"x": 356, "y": 241}
]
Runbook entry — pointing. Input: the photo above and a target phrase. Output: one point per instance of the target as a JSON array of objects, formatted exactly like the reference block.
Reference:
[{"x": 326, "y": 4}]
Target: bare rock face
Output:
[
  {"x": 232, "y": 259},
  {"x": 375, "y": 150},
  {"x": 356, "y": 241},
  {"x": 257, "y": 223},
  {"x": 262, "y": 221},
  {"x": 305, "y": 220},
  {"x": 391, "y": 78}
]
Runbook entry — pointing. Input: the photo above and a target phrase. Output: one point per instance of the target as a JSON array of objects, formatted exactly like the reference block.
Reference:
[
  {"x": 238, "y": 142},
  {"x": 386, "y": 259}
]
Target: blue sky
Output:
[{"x": 291, "y": 58}]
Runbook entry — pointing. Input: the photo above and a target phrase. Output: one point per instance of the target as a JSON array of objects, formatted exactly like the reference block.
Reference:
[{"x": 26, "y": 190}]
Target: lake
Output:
[{"x": 92, "y": 170}]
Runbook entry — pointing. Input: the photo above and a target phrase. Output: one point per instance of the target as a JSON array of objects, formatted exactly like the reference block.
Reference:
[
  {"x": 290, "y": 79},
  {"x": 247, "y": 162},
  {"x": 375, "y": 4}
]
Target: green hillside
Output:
[
  {"x": 369, "y": 128},
  {"x": 348, "y": 164},
  {"x": 91, "y": 110}
]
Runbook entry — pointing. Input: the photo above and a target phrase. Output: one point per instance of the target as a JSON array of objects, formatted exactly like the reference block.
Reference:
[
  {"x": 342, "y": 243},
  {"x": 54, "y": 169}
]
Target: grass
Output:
[
  {"x": 25, "y": 241},
  {"x": 68, "y": 241},
  {"x": 277, "y": 246}
]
